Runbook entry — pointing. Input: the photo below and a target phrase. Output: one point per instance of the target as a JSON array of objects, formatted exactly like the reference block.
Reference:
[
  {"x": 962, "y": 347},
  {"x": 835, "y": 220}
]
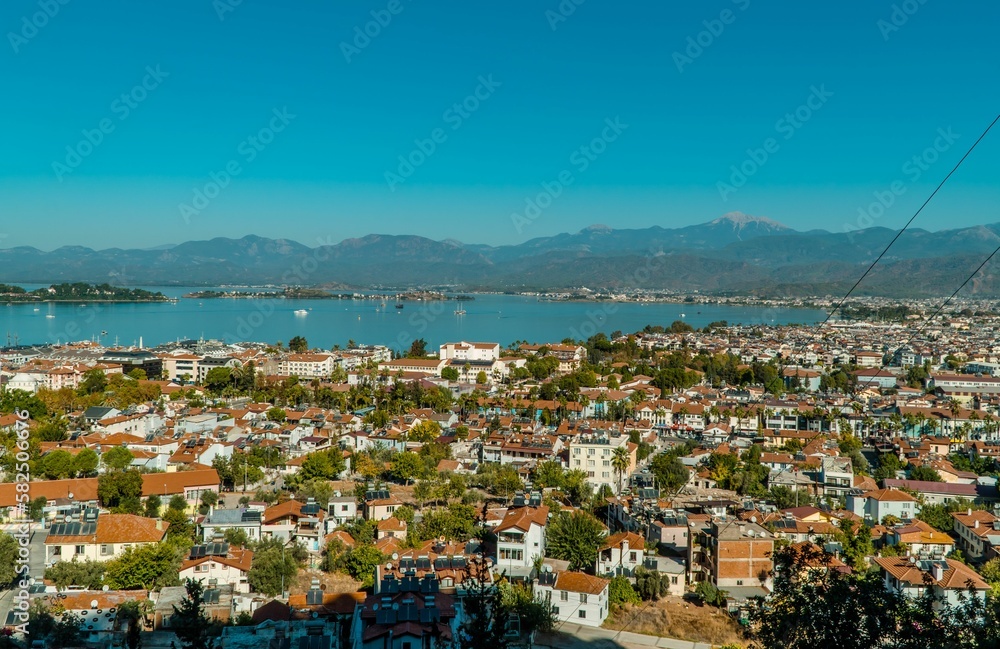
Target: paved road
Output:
[
  {"x": 36, "y": 569},
  {"x": 576, "y": 636}
]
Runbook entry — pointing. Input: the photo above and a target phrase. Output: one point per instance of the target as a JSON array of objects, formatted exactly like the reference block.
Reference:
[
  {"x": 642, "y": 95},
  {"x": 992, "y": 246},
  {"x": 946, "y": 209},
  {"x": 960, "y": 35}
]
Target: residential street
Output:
[
  {"x": 36, "y": 565},
  {"x": 577, "y": 636}
]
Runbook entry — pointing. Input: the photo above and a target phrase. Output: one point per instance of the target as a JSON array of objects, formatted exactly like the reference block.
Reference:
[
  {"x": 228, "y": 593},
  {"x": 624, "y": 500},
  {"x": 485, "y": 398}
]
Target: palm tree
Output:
[{"x": 621, "y": 460}]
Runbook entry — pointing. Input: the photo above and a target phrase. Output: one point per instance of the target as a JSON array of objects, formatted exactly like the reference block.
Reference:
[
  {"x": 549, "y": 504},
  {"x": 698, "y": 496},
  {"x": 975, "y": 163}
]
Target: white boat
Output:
[
  {"x": 49, "y": 315},
  {"x": 459, "y": 311},
  {"x": 301, "y": 312}
]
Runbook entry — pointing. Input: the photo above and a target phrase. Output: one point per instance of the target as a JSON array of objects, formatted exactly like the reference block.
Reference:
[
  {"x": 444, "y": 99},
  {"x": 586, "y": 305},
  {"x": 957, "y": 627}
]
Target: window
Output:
[
  {"x": 583, "y": 613},
  {"x": 343, "y": 508},
  {"x": 631, "y": 557},
  {"x": 739, "y": 582},
  {"x": 576, "y": 451},
  {"x": 607, "y": 463},
  {"x": 673, "y": 579},
  {"x": 607, "y": 452},
  {"x": 564, "y": 595},
  {"x": 106, "y": 549},
  {"x": 590, "y": 463},
  {"x": 590, "y": 451},
  {"x": 605, "y": 474},
  {"x": 555, "y": 610},
  {"x": 79, "y": 549},
  {"x": 583, "y": 598}
]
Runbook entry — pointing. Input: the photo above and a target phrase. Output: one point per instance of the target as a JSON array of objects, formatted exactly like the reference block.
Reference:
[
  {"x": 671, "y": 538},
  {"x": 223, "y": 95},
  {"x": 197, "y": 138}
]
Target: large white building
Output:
[
  {"x": 463, "y": 351},
  {"x": 593, "y": 453}
]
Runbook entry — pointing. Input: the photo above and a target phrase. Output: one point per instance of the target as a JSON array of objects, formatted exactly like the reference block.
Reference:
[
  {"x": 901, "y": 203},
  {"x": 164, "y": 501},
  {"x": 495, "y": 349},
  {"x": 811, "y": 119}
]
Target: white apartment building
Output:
[
  {"x": 464, "y": 351},
  {"x": 307, "y": 366},
  {"x": 593, "y": 452}
]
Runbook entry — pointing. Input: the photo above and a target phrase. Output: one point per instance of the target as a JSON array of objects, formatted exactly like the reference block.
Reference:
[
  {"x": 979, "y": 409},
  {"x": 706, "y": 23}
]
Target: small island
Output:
[
  {"x": 79, "y": 292},
  {"x": 291, "y": 293}
]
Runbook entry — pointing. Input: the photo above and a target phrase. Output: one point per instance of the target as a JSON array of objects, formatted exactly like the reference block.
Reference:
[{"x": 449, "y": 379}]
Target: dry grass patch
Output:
[
  {"x": 335, "y": 582},
  {"x": 675, "y": 618}
]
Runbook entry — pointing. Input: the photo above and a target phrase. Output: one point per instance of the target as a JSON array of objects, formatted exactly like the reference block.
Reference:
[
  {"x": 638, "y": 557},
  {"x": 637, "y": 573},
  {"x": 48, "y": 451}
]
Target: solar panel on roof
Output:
[
  {"x": 406, "y": 564},
  {"x": 211, "y": 596},
  {"x": 441, "y": 563},
  {"x": 250, "y": 516},
  {"x": 408, "y": 613},
  {"x": 314, "y": 597}
]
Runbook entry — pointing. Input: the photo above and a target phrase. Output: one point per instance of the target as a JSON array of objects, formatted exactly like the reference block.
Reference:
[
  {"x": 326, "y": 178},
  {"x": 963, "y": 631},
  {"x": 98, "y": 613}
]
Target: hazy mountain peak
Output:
[
  {"x": 599, "y": 228},
  {"x": 741, "y": 220}
]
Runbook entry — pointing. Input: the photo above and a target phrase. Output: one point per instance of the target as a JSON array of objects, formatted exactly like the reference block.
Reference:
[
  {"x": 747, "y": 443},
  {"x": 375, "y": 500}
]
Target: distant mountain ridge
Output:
[{"x": 734, "y": 253}]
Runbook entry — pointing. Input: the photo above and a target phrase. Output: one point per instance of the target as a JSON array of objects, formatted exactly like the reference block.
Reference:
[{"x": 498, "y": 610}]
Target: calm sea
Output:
[{"x": 494, "y": 318}]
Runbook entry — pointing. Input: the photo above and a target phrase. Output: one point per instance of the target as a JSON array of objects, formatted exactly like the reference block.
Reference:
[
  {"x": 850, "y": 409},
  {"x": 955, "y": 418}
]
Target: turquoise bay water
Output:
[{"x": 493, "y": 318}]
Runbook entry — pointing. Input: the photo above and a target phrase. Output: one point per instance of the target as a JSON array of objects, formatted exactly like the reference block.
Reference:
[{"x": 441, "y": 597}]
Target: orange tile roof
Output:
[
  {"x": 521, "y": 518},
  {"x": 891, "y": 495},
  {"x": 635, "y": 541},
  {"x": 239, "y": 558},
  {"x": 175, "y": 483},
  {"x": 83, "y": 490},
  {"x": 117, "y": 528},
  {"x": 578, "y": 582},
  {"x": 956, "y": 577}
]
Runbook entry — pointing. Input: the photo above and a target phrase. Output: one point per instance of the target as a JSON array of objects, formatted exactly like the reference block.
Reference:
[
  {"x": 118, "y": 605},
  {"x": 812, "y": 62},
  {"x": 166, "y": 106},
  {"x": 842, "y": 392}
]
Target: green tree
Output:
[
  {"x": 575, "y": 537},
  {"x": 8, "y": 558},
  {"x": 181, "y": 527},
  {"x": 620, "y": 591},
  {"x": 425, "y": 432},
  {"x": 406, "y": 466},
  {"x": 85, "y": 463},
  {"x": 57, "y": 464},
  {"x": 93, "y": 382},
  {"x": 178, "y": 502},
  {"x": 621, "y": 460},
  {"x": 812, "y": 607},
  {"x": 236, "y": 537},
  {"x": 153, "y": 505},
  {"x": 322, "y": 464},
  {"x": 218, "y": 379},
  {"x": 924, "y": 472},
  {"x": 418, "y": 349},
  {"x": 298, "y": 344},
  {"x": 86, "y": 574},
  {"x": 145, "y": 567},
  {"x": 548, "y": 474},
  {"x": 486, "y": 619},
  {"x": 37, "y": 507},
  {"x": 360, "y": 562},
  {"x": 273, "y": 566},
  {"x": 450, "y": 373},
  {"x": 121, "y": 490},
  {"x": 118, "y": 458},
  {"x": 189, "y": 621},
  {"x": 276, "y": 414},
  {"x": 52, "y": 430},
  {"x": 670, "y": 472}
]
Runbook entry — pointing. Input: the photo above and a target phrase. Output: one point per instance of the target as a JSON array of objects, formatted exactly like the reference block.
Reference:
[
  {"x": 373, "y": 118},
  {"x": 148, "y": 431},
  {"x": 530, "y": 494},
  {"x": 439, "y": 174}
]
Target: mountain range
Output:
[{"x": 733, "y": 254}]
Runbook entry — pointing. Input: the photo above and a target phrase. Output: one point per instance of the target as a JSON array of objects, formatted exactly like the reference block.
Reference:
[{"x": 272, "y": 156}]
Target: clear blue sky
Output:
[{"x": 323, "y": 177}]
